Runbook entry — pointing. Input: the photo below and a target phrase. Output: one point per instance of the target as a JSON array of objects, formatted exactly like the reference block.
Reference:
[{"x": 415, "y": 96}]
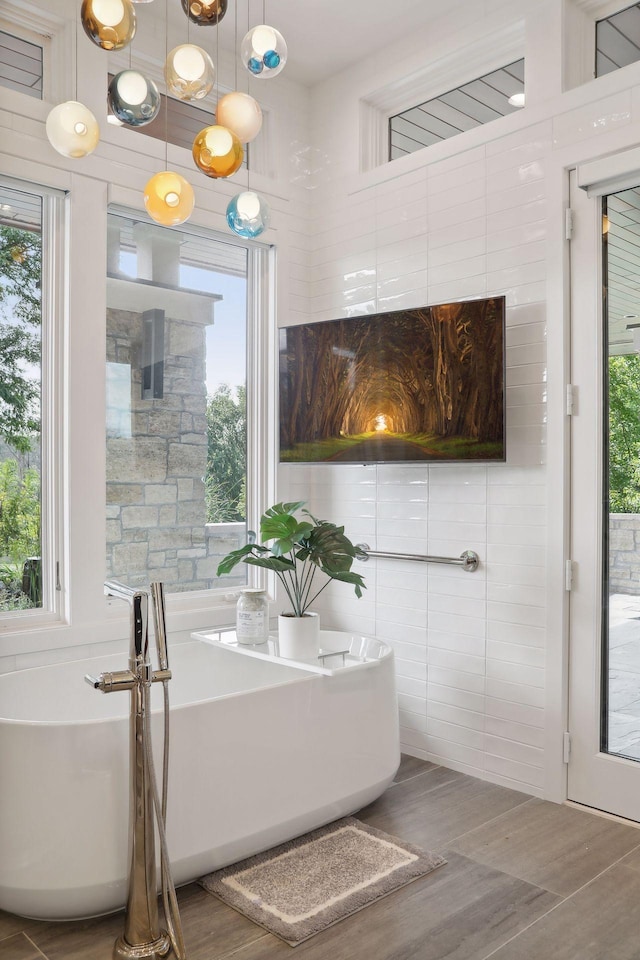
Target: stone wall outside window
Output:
[
  {"x": 624, "y": 553},
  {"x": 156, "y": 462}
]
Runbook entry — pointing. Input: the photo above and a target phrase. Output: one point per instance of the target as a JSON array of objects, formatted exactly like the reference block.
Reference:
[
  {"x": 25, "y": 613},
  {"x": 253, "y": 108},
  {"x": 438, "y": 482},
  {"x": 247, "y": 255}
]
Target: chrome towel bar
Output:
[{"x": 468, "y": 560}]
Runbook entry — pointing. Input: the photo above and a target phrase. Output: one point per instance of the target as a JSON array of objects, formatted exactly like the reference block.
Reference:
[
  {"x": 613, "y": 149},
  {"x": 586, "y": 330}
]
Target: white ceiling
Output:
[
  {"x": 623, "y": 268},
  {"x": 328, "y": 36},
  {"x": 323, "y": 36}
]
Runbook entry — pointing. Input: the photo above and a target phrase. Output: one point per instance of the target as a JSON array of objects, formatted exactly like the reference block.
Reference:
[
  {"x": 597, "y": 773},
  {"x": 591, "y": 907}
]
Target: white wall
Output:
[
  {"x": 470, "y": 648},
  {"x": 482, "y": 657}
]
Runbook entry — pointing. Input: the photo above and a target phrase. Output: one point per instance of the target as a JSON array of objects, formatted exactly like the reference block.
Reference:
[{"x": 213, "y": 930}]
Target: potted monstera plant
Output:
[{"x": 306, "y": 554}]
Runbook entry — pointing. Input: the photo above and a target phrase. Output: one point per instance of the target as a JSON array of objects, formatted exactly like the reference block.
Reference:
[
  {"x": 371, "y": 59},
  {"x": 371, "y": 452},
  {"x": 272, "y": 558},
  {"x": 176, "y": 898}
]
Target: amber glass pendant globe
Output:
[
  {"x": 241, "y": 114},
  {"x": 72, "y": 129},
  {"x": 133, "y": 98},
  {"x": 189, "y": 72},
  {"x": 217, "y": 151},
  {"x": 110, "y": 24},
  {"x": 263, "y": 51},
  {"x": 169, "y": 198},
  {"x": 205, "y": 12},
  {"x": 248, "y": 214}
]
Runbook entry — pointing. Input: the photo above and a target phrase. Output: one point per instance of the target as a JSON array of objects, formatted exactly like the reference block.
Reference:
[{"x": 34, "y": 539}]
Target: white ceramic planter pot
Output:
[{"x": 299, "y": 637}]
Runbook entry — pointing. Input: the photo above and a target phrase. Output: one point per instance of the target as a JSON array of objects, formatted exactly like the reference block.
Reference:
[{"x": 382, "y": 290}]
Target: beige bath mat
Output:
[{"x": 301, "y": 887}]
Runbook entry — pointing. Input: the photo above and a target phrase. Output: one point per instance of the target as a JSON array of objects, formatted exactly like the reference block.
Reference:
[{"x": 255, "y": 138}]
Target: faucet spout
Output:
[
  {"x": 114, "y": 588},
  {"x": 138, "y": 601}
]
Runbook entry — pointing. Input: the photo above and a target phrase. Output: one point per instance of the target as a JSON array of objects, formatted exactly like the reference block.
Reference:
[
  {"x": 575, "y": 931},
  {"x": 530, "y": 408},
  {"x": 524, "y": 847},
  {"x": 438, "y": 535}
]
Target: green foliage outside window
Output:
[
  {"x": 225, "y": 482},
  {"x": 624, "y": 434},
  {"x": 19, "y": 511},
  {"x": 19, "y": 533},
  {"x": 20, "y": 339},
  {"x": 20, "y": 314}
]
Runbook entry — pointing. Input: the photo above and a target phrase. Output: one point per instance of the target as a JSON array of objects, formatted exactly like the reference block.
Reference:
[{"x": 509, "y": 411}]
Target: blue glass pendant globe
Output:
[
  {"x": 271, "y": 59},
  {"x": 248, "y": 214},
  {"x": 133, "y": 98},
  {"x": 263, "y": 51}
]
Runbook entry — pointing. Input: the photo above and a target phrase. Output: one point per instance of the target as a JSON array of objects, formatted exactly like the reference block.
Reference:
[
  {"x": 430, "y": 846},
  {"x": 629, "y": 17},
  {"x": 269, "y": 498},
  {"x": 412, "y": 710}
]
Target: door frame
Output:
[{"x": 594, "y": 778}]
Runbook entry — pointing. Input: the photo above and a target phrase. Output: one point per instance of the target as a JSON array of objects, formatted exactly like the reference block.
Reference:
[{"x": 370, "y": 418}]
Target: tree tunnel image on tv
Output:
[{"x": 418, "y": 384}]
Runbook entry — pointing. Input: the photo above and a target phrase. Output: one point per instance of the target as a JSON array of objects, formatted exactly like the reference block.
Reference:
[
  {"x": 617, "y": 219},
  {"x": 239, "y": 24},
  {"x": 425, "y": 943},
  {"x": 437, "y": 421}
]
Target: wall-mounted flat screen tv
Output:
[{"x": 420, "y": 384}]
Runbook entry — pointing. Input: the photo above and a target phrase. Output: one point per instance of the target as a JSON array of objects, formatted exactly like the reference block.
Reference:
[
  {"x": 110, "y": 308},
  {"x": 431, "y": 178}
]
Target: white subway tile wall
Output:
[{"x": 469, "y": 647}]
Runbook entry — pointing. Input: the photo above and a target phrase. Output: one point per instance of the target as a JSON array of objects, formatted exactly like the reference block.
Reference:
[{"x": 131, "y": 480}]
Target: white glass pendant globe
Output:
[
  {"x": 133, "y": 98},
  {"x": 189, "y": 72},
  {"x": 248, "y": 214},
  {"x": 72, "y": 129},
  {"x": 263, "y": 51},
  {"x": 169, "y": 198},
  {"x": 241, "y": 114}
]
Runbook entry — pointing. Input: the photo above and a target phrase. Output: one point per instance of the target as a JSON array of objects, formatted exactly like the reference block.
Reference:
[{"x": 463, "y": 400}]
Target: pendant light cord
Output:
[
  {"x": 235, "y": 48},
  {"x": 248, "y": 87},
  {"x": 217, "y": 63},
  {"x": 166, "y": 84},
  {"x": 75, "y": 24}
]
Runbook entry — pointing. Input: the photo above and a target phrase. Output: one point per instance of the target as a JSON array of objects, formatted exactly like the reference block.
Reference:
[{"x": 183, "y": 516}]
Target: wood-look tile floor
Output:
[{"x": 524, "y": 880}]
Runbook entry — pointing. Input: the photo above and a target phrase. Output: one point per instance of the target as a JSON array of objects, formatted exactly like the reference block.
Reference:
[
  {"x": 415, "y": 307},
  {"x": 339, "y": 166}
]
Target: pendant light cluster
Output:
[{"x": 218, "y": 150}]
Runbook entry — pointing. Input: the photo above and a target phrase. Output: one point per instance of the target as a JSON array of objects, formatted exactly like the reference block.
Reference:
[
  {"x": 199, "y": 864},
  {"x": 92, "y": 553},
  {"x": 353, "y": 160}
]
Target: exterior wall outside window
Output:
[
  {"x": 155, "y": 491},
  {"x": 624, "y": 549}
]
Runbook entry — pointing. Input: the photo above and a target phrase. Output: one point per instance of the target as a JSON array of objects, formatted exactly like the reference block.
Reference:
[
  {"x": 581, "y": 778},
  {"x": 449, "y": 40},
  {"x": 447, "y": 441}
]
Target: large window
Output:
[
  {"x": 176, "y": 404},
  {"x": 21, "y": 341}
]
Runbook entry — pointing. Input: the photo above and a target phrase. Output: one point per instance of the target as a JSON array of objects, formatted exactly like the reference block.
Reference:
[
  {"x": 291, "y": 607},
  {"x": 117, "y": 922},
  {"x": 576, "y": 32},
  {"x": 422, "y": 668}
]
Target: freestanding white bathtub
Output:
[{"x": 262, "y": 750}]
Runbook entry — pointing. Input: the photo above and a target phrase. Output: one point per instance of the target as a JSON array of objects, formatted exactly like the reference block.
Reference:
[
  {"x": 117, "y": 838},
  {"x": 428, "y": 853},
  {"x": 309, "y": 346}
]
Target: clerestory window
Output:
[
  {"x": 491, "y": 96},
  {"x": 20, "y": 65},
  {"x": 618, "y": 40}
]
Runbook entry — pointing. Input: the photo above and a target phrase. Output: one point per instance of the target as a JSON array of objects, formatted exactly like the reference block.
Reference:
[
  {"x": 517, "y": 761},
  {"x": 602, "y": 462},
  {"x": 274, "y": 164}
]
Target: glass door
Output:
[
  {"x": 604, "y": 703},
  {"x": 621, "y": 272}
]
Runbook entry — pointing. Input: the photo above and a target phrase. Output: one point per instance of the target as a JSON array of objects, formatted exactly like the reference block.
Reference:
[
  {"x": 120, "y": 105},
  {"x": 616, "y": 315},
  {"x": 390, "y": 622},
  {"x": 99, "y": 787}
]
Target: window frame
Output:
[
  {"x": 52, "y": 434},
  {"x": 261, "y": 411}
]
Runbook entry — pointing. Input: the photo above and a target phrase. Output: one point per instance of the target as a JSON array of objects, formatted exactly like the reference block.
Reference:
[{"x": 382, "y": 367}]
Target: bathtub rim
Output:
[
  {"x": 155, "y": 710},
  {"x": 305, "y": 669}
]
